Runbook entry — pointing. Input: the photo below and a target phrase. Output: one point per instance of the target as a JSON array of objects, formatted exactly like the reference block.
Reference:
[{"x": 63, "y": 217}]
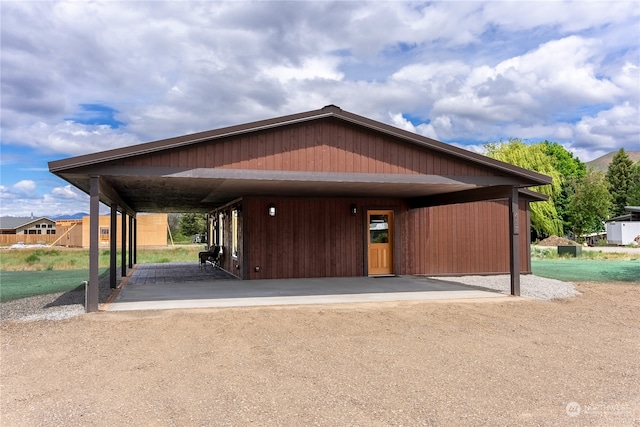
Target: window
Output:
[
  {"x": 214, "y": 232},
  {"x": 234, "y": 233},
  {"x": 220, "y": 229},
  {"x": 50, "y": 226},
  {"x": 37, "y": 225}
]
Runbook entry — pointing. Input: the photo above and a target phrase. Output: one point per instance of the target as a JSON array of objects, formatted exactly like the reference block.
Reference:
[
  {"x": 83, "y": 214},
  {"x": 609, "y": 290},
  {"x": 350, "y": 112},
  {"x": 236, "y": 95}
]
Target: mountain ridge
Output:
[{"x": 601, "y": 164}]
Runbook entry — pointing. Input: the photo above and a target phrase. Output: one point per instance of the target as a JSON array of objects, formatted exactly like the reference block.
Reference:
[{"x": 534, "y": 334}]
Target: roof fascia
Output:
[{"x": 533, "y": 196}]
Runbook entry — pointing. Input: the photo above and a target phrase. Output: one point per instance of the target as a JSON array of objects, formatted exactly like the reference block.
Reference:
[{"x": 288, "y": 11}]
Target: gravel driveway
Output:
[{"x": 521, "y": 362}]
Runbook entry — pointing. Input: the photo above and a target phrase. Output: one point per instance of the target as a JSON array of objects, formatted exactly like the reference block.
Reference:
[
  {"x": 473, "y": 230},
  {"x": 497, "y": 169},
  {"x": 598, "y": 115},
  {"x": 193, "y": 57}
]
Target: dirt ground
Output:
[{"x": 519, "y": 362}]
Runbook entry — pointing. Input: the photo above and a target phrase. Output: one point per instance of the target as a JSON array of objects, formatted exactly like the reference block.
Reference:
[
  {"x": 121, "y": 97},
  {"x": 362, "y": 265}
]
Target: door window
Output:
[{"x": 379, "y": 228}]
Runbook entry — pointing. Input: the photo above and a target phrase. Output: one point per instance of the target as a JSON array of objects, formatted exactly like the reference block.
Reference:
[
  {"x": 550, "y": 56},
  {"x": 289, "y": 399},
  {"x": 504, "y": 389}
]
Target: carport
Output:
[
  {"x": 331, "y": 176},
  {"x": 182, "y": 285}
]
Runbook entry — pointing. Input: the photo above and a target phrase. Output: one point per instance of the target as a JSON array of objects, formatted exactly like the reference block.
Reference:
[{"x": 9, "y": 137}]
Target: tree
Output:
[
  {"x": 633, "y": 196},
  {"x": 544, "y": 216},
  {"x": 192, "y": 223},
  {"x": 589, "y": 203},
  {"x": 570, "y": 169},
  {"x": 619, "y": 177},
  {"x": 563, "y": 160}
]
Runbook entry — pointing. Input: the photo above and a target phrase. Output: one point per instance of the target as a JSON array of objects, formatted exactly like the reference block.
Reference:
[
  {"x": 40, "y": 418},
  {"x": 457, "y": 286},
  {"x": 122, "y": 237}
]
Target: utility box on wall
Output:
[{"x": 571, "y": 250}]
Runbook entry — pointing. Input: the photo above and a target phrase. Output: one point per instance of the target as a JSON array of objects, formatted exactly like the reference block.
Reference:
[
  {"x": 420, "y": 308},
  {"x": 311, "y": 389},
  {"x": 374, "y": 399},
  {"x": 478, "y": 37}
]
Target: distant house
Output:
[
  {"x": 625, "y": 229},
  {"x": 151, "y": 231},
  {"x": 27, "y": 225}
]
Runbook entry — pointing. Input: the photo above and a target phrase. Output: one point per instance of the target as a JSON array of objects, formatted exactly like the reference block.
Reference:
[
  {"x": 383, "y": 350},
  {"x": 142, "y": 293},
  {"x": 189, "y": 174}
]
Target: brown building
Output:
[
  {"x": 326, "y": 193},
  {"x": 151, "y": 231}
]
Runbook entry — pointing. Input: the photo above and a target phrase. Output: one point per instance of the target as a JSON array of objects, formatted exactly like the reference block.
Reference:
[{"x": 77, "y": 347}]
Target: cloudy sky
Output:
[{"x": 80, "y": 77}]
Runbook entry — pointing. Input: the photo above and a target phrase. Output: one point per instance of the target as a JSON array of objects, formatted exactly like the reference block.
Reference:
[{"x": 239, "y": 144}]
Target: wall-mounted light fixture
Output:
[
  {"x": 272, "y": 210},
  {"x": 354, "y": 209}
]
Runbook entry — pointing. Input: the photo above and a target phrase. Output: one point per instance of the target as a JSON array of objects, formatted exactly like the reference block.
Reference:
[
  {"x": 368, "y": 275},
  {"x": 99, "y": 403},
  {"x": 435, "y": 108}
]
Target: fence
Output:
[{"x": 27, "y": 239}]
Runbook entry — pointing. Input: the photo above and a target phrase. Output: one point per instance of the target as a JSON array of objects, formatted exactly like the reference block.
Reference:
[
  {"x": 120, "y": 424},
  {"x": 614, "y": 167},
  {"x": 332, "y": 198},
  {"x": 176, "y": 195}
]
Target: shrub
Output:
[
  {"x": 33, "y": 258},
  {"x": 543, "y": 252}
]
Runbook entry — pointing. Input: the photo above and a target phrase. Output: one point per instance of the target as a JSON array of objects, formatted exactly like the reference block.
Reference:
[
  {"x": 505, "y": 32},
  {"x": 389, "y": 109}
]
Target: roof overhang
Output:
[
  {"x": 162, "y": 189},
  {"x": 149, "y": 189}
]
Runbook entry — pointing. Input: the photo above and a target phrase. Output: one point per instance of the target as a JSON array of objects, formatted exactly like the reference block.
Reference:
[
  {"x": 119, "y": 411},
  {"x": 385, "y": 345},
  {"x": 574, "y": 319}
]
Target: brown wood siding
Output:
[
  {"x": 469, "y": 238},
  {"x": 320, "y": 238},
  {"x": 307, "y": 237},
  {"x": 322, "y": 146}
]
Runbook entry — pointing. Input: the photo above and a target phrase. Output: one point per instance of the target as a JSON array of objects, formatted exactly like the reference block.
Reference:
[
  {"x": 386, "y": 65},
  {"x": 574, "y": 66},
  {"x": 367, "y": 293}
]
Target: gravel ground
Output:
[
  {"x": 531, "y": 286},
  {"x": 517, "y": 362},
  {"x": 57, "y": 306}
]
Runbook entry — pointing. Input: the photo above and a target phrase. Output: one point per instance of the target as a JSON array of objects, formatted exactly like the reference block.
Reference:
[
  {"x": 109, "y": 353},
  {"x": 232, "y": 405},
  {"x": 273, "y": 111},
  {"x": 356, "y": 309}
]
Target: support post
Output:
[
  {"x": 130, "y": 241},
  {"x": 113, "y": 246},
  {"x": 514, "y": 242},
  {"x": 123, "y": 243},
  {"x": 135, "y": 241},
  {"x": 91, "y": 298}
]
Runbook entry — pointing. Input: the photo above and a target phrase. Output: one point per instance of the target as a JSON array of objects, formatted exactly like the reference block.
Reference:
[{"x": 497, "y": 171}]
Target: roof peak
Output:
[{"x": 331, "y": 107}]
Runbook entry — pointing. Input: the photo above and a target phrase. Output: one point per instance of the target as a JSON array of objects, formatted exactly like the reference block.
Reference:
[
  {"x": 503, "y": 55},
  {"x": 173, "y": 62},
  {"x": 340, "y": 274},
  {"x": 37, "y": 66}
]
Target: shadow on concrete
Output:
[{"x": 181, "y": 285}]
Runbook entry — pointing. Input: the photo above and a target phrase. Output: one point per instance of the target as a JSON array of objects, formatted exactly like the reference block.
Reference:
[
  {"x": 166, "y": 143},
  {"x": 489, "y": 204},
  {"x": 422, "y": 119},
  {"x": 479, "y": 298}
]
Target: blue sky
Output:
[{"x": 81, "y": 77}]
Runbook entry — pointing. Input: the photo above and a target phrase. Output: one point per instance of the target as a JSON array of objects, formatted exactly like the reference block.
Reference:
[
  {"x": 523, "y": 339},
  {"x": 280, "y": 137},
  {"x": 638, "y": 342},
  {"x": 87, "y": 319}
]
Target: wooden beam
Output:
[
  {"x": 514, "y": 242},
  {"x": 135, "y": 240},
  {"x": 110, "y": 196},
  {"x": 130, "y": 242},
  {"x": 465, "y": 196},
  {"x": 123, "y": 244},
  {"x": 91, "y": 297},
  {"x": 113, "y": 245}
]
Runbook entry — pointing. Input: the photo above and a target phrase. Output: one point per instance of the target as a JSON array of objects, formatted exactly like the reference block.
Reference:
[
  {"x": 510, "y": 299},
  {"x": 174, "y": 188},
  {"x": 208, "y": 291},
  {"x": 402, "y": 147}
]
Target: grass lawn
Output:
[
  {"x": 22, "y": 284},
  {"x": 28, "y": 272},
  {"x": 77, "y": 259},
  {"x": 587, "y": 270}
]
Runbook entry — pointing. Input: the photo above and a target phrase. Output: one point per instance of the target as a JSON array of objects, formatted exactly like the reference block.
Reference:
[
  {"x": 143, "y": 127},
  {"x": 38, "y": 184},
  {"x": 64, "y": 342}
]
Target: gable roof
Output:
[
  {"x": 15, "y": 222},
  {"x": 328, "y": 111},
  {"x": 235, "y": 183}
]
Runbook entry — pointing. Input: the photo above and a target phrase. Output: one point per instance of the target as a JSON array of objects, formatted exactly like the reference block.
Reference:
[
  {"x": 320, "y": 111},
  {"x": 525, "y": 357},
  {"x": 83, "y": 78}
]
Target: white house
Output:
[{"x": 625, "y": 229}]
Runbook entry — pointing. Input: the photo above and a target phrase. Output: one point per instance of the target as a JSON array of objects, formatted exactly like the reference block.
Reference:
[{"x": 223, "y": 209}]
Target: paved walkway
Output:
[{"x": 186, "y": 285}]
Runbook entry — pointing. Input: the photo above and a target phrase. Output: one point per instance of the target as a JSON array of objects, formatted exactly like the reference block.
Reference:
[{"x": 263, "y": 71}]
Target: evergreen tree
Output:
[
  {"x": 633, "y": 196},
  {"x": 193, "y": 223},
  {"x": 619, "y": 177}
]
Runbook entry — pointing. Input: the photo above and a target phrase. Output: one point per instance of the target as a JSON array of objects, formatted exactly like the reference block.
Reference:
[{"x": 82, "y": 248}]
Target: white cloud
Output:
[
  {"x": 61, "y": 200},
  {"x": 25, "y": 186},
  {"x": 472, "y": 71},
  {"x": 70, "y": 138},
  {"x": 568, "y": 16},
  {"x": 5, "y": 195},
  {"x": 309, "y": 69},
  {"x": 69, "y": 192},
  {"x": 610, "y": 129},
  {"x": 423, "y": 129}
]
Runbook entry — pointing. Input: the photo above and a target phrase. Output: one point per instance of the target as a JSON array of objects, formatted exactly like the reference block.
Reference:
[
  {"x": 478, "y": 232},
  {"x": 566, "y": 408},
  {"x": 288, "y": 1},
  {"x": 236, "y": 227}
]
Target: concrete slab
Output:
[{"x": 148, "y": 289}]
